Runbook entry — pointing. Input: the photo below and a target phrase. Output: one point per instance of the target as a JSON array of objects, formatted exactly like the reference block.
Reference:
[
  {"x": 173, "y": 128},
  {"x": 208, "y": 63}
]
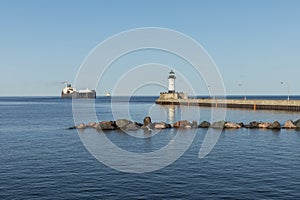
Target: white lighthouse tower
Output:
[{"x": 171, "y": 79}]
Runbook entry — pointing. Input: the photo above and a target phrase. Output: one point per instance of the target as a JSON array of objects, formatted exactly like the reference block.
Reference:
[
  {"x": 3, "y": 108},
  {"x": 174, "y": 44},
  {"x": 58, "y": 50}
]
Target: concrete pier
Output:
[{"x": 289, "y": 105}]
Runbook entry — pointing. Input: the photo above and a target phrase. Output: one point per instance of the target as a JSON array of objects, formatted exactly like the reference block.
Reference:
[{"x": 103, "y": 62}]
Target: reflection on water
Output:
[{"x": 171, "y": 113}]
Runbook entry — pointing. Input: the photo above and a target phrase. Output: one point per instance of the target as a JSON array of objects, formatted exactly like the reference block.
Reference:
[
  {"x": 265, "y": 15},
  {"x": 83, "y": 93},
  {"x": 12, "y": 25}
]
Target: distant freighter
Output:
[{"x": 70, "y": 92}]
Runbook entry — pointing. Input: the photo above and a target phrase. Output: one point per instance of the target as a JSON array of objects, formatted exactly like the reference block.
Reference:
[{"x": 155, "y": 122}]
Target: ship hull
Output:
[{"x": 79, "y": 95}]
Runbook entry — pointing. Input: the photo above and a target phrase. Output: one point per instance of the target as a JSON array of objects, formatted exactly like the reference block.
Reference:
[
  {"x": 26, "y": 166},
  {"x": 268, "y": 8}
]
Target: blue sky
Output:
[{"x": 44, "y": 42}]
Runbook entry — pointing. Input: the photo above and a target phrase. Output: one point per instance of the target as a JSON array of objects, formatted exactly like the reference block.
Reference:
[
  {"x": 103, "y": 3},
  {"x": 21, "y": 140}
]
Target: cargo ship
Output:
[{"x": 69, "y": 92}]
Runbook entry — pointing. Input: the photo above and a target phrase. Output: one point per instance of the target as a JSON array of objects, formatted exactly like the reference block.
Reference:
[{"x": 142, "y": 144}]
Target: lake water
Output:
[{"x": 41, "y": 159}]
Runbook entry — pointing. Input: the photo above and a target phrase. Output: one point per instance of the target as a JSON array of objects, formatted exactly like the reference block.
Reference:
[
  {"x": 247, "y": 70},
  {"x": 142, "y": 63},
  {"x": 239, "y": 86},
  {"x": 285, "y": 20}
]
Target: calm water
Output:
[{"x": 41, "y": 159}]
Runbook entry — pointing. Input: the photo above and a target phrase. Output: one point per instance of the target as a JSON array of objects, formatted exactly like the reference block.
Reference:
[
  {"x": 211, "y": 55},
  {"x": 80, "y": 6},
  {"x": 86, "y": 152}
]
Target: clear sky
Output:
[{"x": 255, "y": 43}]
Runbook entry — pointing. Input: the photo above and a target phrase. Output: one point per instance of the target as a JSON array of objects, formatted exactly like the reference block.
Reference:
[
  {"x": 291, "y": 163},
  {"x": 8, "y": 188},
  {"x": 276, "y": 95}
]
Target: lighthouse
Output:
[
  {"x": 171, "y": 79},
  {"x": 171, "y": 94}
]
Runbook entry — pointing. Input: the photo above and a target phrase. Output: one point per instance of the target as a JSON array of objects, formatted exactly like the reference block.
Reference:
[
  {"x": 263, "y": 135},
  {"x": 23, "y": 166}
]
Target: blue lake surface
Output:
[{"x": 41, "y": 159}]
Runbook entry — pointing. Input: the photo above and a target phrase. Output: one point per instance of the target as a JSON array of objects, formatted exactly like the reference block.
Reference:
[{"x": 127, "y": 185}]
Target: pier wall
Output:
[{"x": 291, "y": 105}]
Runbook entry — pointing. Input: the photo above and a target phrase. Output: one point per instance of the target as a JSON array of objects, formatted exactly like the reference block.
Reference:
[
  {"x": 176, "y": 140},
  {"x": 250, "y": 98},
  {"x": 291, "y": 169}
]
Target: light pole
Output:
[
  {"x": 245, "y": 91},
  {"x": 288, "y": 85},
  {"x": 209, "y": 92}
]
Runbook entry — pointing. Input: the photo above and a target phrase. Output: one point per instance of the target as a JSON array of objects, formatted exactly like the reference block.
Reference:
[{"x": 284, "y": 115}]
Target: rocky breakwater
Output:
[{"x": 128, "y": 125}]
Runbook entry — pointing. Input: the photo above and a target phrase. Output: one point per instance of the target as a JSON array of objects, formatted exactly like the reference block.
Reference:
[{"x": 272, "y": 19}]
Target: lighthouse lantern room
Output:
[{"x": 171, "y": 79}]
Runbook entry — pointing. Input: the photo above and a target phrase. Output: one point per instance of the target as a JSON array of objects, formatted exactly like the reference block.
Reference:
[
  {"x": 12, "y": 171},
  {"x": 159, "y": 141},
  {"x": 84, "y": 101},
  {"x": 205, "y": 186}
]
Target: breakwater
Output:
[
  {"x": 254, "y": 104},
  {"x": 127, "y": 125}
]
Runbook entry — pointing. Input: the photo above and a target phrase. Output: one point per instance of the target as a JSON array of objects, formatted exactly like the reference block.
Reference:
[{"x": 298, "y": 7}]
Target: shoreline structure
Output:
[
  {"x": 287, "y": 105},
  {"x": 175, "y": 98}
]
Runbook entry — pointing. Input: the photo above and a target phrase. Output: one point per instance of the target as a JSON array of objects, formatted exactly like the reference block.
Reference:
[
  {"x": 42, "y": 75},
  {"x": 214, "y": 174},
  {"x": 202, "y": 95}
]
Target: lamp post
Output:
[
  {"x": 245, "y": 91},
  {"x": 288, "y": 86},
  {"x": 209, "y": 91}
]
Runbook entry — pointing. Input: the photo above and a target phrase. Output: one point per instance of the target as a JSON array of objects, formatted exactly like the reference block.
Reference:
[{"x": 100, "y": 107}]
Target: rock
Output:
[
  {"x": 147, "y": 127},
  {"x": 176, "y": 124},
  {"x": 241, "y": 124},
  {"x": 96, "y": 125},
  {"x": 122, "y": 123},
  {"x": 106, "y": 125},
  {"x": 147, "y": 121},
  {"x": 194, "y": 124},
  {"x": 204, "y": 124},
  {"x": 231, "y": 125},
  {"x": 181, "y": 124},
  {"x": 161, "y": 125},
  {"x": 81, "y": 126},
  {"x": 264, "y": 125},
  {"x": 289, "y": 124},
  {"x": 274, "y": 125},
  {"x": 187, "y": 126},
  {"x": 253, "y": 124},
  {"x": 132, "y": 126},
  {"x": 139, "y": 124},
  {"x": 72, "y": 127},
  {"x": 218, "y": 125},
  {"x": 91, "y": 124},
  {"x": 128, "y": 125},
  {"x": 168, "y": 125},
  {"x": 297, "y": 123}
]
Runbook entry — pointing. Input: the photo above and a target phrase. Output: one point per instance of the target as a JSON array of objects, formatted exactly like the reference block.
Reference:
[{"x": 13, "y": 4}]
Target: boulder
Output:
[
  {"x": 160, "y": 125},
  {"x": 264, "y": 124},
  {"x": 297, "y": 123},
  {"x": 274, "y": 125},
  {"x": 289, "y": 124},
  {"x": 132, "y": 126},
  {"x": 96, "y": 125},
  {"x": 72, "y": 127},
  {"x": 231, "y": 125},
  {"x": 139, "y": 124},
  {"x": 181, "y": 124},
  {"x": 168, "y": 125},
  {"x": 241, "y": 124},
  {"x": 150, "y": 126},
  {"x": 91, "y": 124},
  {"x": 106, "y": 125},
  {"x": 253, "y": 124},
  {"x": 81, "y": 126},
  {"x": 204, "y": 124},
  {"x": 147, "y": 121},
  {"x": 218, "y": 125},
  {"x": 187, "y": 126},
  {"x": 194, "y": 124},
  {"x": 122, "y": 123}
]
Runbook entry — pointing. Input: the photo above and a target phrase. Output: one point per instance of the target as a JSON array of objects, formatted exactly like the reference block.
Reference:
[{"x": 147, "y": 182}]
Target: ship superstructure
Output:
[{"x": 69, "y": 92}]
